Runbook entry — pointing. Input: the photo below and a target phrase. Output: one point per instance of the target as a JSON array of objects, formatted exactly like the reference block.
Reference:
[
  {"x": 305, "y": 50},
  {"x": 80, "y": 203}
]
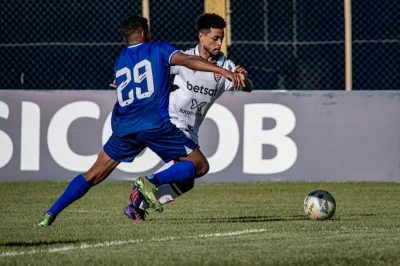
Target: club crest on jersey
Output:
[{"x": 217, "y": 77}]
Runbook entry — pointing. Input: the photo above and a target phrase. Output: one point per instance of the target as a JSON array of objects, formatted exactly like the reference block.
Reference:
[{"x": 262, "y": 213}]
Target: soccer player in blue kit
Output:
[{"x": 140, "y": 119}]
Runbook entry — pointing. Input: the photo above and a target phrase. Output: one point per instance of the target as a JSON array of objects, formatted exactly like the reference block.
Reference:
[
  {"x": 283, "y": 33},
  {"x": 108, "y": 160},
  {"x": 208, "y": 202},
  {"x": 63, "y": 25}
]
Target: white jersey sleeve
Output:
[
  {"x": 174, "y": 70},
  {"x": 198, "y": 90}
]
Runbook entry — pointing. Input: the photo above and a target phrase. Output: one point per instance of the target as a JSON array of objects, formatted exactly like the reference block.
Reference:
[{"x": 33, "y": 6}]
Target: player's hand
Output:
[
  {"x": 241, "y": 70},
  {"x": 236, "y": 80},
  {"x": 112, "y": 85},
  {"x": 243, "y": 75}
]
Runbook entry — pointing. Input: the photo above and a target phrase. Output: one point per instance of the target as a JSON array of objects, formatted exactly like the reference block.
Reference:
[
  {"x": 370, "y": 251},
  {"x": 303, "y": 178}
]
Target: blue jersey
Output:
[{"x": 142, "y": 74}]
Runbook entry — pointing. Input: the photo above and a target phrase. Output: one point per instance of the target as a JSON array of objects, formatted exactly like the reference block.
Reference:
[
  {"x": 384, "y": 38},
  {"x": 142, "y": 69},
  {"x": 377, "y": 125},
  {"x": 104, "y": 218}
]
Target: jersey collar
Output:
[
  {"x": 220, "y": 59},
  {"x": 134, "y": 45}
]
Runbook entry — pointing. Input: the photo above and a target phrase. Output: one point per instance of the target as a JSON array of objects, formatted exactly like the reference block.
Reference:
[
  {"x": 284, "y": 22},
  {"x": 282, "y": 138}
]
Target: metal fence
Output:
[{"x": 292, "y": 45}]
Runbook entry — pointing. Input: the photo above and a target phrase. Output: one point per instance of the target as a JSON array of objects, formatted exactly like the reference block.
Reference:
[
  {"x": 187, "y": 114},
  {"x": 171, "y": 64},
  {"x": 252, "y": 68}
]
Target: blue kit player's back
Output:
[
  {"x": 143, "y": 85},
  {"x": 140, "y": 117}
]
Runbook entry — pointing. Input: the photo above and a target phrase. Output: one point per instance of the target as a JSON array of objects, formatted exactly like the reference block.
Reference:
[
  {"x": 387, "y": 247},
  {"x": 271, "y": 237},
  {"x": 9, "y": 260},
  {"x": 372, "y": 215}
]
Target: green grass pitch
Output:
[{"x": 214, "y": 224}]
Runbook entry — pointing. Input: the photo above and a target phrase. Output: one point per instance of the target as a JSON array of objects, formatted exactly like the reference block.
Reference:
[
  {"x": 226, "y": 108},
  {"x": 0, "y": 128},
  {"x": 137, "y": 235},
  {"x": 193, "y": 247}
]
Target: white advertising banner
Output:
[{"x": 258, "y": 136}]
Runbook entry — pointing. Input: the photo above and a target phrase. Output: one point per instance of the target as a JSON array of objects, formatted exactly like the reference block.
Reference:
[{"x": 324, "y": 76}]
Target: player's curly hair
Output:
[
  {"x": 210, "y": 20},
  {"x": 133, "y": 24}
]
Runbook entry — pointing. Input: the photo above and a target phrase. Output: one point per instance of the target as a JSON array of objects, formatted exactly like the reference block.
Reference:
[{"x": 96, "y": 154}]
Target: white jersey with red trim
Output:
[{"x": 197, "y": 92}]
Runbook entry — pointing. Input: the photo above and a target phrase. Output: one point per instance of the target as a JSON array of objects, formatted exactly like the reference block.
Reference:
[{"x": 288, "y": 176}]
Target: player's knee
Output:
[
  {"x": 202, "y": 168},
  {"x": 206, "y": 168}
]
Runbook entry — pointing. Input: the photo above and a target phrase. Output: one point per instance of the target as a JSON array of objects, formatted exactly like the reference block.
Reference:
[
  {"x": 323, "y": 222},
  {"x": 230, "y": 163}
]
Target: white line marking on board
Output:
[{"x": 126, "y": 242}]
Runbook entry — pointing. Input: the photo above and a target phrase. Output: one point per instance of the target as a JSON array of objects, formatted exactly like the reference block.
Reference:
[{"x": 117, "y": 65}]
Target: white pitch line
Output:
[
  {"x": 126, "y": 242},
  {"x": 88, "y": 211},
  {"x": 232, "y": 233}
]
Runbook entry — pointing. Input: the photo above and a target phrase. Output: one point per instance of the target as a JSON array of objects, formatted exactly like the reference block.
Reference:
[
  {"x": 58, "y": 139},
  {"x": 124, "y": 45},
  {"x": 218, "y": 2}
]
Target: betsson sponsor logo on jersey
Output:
[
  {"x": 201, "y": 90},
  {"x": 195, "y": 105},
  {"x": 187, "y": 112}
]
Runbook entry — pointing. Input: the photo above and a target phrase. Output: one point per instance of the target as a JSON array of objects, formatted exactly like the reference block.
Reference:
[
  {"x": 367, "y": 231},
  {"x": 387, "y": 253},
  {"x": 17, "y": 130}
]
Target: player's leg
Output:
[
  {"x": 169, "y": 192},
  {"x": 179, "y": 172},
  {"x": 163, "y": 193},
  {"x": 116, "y": 150},
  {"x": 171, "y": 144},
  {"x": 166, "y": 193},
  {"x": 165, "y": 166},
  {"x": 199, "y": 160},
  {"x": 80, "y": 185},
  {"x": 170, "y": 183},
  {"x": 179, "y": 177}
]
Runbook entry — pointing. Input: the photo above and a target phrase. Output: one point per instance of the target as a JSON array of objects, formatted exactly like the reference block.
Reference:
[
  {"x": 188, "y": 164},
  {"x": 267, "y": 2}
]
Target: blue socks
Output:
[
  {"x": 178, "y": 172},
  {"x": 78, "y": 187},
  {"x": 75, "y": 190}
]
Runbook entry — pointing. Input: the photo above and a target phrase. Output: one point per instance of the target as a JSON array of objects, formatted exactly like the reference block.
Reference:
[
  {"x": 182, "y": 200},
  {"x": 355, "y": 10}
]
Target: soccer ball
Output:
[{"x": 319, "y": 205}]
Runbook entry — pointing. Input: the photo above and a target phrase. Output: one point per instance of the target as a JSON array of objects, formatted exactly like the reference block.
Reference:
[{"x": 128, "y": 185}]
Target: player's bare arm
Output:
[{"x": 200, "y": 64}]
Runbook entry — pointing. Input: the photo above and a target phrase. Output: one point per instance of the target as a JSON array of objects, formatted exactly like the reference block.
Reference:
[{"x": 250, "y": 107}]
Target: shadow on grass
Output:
[
  {"x": 38, "y": 243},
  {"x": 242, "y": 219}
]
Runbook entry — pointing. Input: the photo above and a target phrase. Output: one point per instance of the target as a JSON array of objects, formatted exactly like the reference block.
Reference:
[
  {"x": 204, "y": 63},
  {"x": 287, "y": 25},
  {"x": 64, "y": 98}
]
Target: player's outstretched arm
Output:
[{"x": 199, "y": 64}]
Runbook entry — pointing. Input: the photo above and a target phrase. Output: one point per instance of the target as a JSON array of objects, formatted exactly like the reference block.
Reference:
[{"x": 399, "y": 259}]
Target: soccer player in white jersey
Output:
[{"x": 194, "y": 92}]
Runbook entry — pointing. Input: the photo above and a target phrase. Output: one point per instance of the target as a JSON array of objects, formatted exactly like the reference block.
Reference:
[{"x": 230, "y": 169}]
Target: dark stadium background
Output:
[{"x": 49, "y": 44}]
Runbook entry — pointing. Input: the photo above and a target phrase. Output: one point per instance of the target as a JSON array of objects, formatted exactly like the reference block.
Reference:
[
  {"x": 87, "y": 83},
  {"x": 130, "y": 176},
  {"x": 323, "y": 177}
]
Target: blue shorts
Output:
[{"x": 167, "y": 141}]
